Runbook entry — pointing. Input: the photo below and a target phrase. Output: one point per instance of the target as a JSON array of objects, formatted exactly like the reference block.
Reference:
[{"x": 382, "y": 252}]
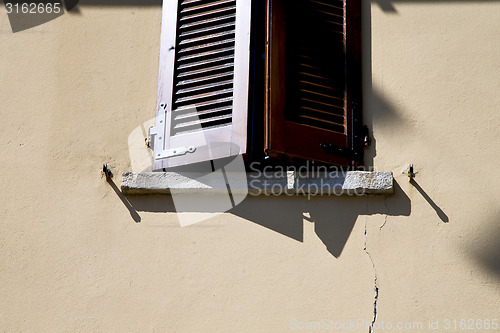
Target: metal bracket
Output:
[
  {"x": 411, "y": 172},
  {"x": 175, "y": 152},
  {"x": 157, "y": 136},
  {"x": 367, "y": 140}
]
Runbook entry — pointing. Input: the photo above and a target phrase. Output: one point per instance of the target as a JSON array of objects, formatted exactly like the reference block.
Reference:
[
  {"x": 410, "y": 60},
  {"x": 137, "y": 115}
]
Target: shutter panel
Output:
[
  {"x": 203, "y": 81},
  {"x": 314, "y": 83}
]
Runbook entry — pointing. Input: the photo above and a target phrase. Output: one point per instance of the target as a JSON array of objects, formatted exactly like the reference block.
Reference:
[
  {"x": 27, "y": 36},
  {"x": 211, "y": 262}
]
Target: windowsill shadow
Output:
[{"x": 334, "y": 217}]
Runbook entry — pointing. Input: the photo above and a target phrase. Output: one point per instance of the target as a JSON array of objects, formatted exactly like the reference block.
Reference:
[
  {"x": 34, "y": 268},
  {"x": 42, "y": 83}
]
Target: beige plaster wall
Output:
[{"x": 72, "y": 258}]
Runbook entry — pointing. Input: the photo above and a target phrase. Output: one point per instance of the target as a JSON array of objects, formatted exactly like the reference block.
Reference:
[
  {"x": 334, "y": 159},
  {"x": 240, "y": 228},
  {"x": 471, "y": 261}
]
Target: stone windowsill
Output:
[{"x": 348, "y": 183}]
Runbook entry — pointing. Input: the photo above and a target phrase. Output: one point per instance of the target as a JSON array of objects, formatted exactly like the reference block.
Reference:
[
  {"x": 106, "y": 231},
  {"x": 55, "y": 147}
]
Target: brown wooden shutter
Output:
[
  {"x": 313, "y": 108},
  {"x": 203, "y": 81}
]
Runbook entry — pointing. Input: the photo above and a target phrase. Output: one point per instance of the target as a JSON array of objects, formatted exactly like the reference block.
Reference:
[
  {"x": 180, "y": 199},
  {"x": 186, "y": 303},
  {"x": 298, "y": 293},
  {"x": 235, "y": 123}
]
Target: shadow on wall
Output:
[
  {"x": 113, "y": 3},
  {"x": 388, "y": 5},
  {"x": 124, "y": 200},
  {"x": 23, "y": 22},
  {"x": 334, "y": 217},
  {"x": 486, "y": 250},
  {"x": 73, "y": 5},
  {"x": 442, "y": 215},
  {"x": 20, "y": 21},
  {"x": 23, "y": 18}
]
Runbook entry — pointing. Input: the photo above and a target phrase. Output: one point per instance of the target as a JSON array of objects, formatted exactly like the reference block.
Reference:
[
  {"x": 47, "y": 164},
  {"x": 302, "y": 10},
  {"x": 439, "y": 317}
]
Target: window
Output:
[{"x": 274, "y": 77}]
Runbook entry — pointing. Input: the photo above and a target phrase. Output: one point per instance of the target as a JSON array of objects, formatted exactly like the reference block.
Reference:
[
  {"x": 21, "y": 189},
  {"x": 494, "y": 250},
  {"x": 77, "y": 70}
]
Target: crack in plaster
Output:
[
  {"x": 376, "y": 289},
  {"x": 386, "y": 213}
]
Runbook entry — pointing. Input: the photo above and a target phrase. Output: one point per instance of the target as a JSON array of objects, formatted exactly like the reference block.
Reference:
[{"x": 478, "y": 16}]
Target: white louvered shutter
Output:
[{"x": 203, "y": 81}]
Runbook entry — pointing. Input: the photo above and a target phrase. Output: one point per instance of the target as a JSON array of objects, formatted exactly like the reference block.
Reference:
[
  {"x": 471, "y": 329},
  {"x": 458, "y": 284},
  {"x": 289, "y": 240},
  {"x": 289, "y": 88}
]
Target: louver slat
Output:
[
  {"x": 318, "y": 65},
  {"x": 203, "y": 80},
  {"x": 199, "y": 42},
  {"x": 314, "y": 85}
]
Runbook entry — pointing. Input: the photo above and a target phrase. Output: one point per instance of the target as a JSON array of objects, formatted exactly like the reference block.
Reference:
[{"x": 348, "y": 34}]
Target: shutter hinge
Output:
[
  {"x": 166, "y": 153},
  {"x": 156, "y": 138}
]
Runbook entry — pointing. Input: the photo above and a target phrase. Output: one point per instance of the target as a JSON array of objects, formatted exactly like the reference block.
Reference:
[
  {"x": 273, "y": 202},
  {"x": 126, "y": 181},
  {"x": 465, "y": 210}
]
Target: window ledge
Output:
[{"x": 293, "y": 183}]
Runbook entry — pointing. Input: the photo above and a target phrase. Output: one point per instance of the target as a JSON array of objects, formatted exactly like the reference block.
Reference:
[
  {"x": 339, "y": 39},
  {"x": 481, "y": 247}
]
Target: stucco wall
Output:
[{"x": 73, "y": 258}]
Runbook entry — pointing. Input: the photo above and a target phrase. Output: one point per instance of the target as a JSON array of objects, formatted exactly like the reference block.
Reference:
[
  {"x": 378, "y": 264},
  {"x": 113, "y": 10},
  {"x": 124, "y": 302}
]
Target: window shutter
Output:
[
  {"x": 203, "y": 81},
  {"x": 314, "y": 90}
]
